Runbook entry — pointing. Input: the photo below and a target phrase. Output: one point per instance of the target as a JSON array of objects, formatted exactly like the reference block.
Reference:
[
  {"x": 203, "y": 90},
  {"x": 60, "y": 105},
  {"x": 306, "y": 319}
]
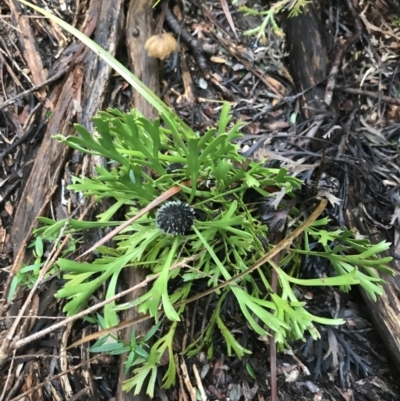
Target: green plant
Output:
[
  {"x": 227, "y": 234},
  {"x": 293, "y": 7},
  {"x": 396, "y": 21},
  {"x": 29, "y": 274}
]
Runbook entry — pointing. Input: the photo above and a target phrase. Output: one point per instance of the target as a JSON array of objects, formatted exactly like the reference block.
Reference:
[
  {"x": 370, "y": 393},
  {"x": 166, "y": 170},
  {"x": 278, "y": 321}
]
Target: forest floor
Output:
[{"x": 352, "y": 131}]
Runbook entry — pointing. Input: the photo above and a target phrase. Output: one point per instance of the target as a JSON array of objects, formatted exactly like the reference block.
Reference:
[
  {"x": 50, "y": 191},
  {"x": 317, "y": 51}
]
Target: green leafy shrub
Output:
[
  {"x": 227, "y": 237},
  {"x": 292, "y": 7}
]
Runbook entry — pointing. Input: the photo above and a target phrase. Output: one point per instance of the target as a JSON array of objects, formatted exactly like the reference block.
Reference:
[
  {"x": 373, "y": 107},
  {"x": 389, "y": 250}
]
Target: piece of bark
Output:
[
  {"x": 42, "y": 180},
  {"x": 308, "y": 60},
  {"x": 110, "y": 18},
  {"x": 40, "y": 186},
  {"x": 139, "y": 27},
  {"x": 29, "y": 47},
  {"x": 95, "y": 96},
  {"x": 44, "y": 175},
  {"x": 48, "y": 162}
]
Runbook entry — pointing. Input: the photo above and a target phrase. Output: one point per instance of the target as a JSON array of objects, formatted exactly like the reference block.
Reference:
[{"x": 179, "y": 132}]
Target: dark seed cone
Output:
[{"x": 175, "y": 218}]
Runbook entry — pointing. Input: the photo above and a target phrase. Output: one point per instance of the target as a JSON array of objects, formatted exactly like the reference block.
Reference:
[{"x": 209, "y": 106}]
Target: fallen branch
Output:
[
  {"x": 195, "y": 44},
  {"x": 374, "y": 95}
]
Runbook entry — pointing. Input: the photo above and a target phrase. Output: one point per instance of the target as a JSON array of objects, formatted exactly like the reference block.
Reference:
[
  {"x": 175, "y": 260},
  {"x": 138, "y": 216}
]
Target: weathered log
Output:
[
  {"x": 44, "y": 175},
  {"x": 308, "y": 60},
  {"x": 139, "y": 27}
]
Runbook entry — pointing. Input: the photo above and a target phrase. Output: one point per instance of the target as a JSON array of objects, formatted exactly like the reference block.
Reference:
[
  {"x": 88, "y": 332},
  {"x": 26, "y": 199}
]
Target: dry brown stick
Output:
[
  {"x": 33, "y": 89},
  {"x": 11, "y": 71},
  {"x": 9, "y": 374},
  {"x": 342, "y": 49},
  {"x": 189, "y": 95},
  {"x": 272, "y": 344},
  {"x": 195, "y": 44},
  {"x": 50, "y": 379},
  {"x": 65, "y": 383},
  {"x": 375, "y": 95},
  {"x": 161, "y": 18},
  {"x": 199, "y": 383},
  {"x": 29, "y": 46}
]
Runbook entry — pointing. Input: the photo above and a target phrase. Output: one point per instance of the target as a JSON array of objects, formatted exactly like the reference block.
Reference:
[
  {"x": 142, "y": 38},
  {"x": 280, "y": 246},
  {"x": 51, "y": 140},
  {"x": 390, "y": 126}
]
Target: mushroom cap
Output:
[{"x": 161, "y": 46}]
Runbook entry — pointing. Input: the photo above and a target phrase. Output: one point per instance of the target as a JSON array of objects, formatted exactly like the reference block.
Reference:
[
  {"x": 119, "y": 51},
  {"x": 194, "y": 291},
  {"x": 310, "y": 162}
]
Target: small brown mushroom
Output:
[{"x": 161, "y": 45}]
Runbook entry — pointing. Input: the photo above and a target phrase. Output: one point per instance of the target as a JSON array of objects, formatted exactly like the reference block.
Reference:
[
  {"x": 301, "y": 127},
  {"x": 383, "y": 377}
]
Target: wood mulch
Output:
[{"x": 323, "y": 94}]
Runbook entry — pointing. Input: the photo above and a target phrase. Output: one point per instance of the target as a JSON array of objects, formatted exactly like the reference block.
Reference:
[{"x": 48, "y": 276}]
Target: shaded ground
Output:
[{"x": 281, "y": 95}]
